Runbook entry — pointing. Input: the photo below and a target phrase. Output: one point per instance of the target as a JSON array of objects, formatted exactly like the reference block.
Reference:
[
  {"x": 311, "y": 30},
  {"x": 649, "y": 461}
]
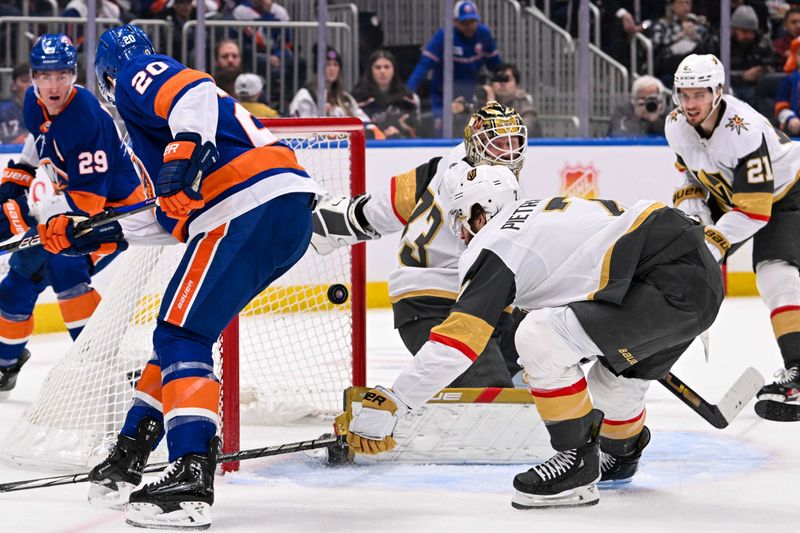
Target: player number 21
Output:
[
  {"x": 142, "y": 79},
  {"x": 759, "y": 170}
]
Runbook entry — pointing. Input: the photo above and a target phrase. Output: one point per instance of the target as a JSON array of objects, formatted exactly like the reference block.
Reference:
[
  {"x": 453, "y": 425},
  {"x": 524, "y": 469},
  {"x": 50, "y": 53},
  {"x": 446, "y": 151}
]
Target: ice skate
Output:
[
  {"x": 620, "y": 469},
  {"x": 182, "y": 496},
  {"x": 113, "y": 480},
  {"x": 786, "y": 387},
  {"x": 8, "y": 375}
]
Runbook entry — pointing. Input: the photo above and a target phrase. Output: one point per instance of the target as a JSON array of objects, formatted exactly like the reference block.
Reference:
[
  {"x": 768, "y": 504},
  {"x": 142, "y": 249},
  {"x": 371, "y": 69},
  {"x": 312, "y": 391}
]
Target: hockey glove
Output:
[
  {"x": 339, "y": 221},
  {"x": 370, "y": 430},
  {"x": 58, "y": 236},
  {"x": 717, "y": 243},
  {"x": 16, "y": 219},
  {"x": 17, "y": 178},
  {"x": 185, "y": 163}
]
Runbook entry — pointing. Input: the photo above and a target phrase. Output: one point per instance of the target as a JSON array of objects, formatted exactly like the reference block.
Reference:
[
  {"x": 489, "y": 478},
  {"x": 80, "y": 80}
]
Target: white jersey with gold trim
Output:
[
  {"x": 559, "y": 249},
  {"x": 745, "y": 166},
  {"x": 534, "y": 254},
  {"x": 428, "y": 253}
]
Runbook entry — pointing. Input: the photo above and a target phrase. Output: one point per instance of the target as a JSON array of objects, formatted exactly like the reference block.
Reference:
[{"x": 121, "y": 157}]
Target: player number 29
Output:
[
  {"x": 759, "y": 170},
  {"x": 142, "y": 79},
  {"x": 89, "y": 162}
]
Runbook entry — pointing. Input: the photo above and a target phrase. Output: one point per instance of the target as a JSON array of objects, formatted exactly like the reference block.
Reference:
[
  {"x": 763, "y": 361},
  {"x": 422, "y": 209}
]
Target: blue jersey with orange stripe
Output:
[
  {"x": 81, "y": 150},
  {"x": 253, "y": 166}
]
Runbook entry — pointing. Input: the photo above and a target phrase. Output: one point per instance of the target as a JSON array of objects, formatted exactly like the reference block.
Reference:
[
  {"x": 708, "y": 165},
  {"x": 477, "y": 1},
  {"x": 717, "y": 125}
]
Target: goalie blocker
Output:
[{"x": 339, "y": 221}]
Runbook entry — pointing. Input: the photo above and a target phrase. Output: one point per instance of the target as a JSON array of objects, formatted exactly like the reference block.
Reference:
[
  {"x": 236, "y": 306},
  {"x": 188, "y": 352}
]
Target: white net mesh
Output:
[{"x": 295, "y": 354}]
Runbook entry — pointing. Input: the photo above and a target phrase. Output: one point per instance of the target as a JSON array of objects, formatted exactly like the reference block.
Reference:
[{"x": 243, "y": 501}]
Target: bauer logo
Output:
[{"x": 579, "y": 180}]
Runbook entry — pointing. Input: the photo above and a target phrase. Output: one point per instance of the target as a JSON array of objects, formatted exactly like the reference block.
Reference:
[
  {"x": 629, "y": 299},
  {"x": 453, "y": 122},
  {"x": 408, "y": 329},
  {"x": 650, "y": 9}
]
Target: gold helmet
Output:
[{"x": 495, "y": 135}]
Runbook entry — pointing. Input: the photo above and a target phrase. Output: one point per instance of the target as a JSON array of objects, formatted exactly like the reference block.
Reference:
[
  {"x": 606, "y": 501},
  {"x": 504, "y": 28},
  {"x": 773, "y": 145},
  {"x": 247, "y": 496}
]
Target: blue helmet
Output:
[
  {"x": 53, "y": 52},
  {"x": 114, "y": 48}
]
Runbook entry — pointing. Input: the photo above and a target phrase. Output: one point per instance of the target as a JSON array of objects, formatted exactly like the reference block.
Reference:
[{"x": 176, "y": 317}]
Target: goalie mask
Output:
[
  {"x": 495, "y": 135},
  {"x": 490, "y": 187}
]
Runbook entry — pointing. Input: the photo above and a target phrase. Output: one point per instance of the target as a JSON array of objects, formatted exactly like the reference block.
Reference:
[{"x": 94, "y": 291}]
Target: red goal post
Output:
[
  {"x": 353, "y": 130},
  {"x": 299, "y": 349}
]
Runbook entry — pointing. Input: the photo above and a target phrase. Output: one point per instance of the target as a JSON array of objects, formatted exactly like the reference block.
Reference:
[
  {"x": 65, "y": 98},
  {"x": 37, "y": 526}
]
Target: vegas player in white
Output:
[
  {"x": 424, "y": 286},
  {"x": 740, "y": 180},
  {"x": 627, "y": 288}
]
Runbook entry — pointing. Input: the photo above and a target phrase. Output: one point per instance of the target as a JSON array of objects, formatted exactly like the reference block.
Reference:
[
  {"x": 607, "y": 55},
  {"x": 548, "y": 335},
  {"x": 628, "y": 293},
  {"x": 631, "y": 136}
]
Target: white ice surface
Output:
[{"x": 692, "y": 476}]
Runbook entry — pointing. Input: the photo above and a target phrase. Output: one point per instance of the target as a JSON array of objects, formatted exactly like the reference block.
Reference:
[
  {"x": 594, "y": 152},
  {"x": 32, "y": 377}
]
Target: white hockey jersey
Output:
[
  {"x": 429, "y": 252},
  {"x": 744, "y": 166},
  {"x": 534, "y": 254}
]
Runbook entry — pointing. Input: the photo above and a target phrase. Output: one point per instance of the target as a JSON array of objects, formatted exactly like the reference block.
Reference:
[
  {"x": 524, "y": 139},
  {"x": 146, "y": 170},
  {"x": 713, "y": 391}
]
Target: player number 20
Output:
[
  {"x": 142, "y": 79},
  {"x": 759, "y": 170}
]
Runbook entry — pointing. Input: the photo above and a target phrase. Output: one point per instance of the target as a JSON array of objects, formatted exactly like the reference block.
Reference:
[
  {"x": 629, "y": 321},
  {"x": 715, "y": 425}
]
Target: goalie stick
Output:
[
  {"x": 326, "y": 441},
  {"x": 723, "y": 413},
  {"x": 100, "y": 219}
]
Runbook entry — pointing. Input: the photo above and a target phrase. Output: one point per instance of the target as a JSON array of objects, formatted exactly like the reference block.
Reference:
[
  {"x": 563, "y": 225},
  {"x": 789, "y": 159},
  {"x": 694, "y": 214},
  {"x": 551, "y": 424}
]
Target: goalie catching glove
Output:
[
  {"x": 58, "y": 236},
  {"x": 339, "y": 221},
  {"x": 178, "y": 185},
  {"x": 370, "y": 430}
]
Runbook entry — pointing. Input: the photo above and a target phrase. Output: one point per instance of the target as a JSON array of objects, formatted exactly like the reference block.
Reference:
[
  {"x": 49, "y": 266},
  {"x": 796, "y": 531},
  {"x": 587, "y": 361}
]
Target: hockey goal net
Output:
[{"x": 290, "y": 353}]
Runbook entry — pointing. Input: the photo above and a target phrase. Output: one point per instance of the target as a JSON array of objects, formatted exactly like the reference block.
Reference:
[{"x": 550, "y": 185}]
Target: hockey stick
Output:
[
  {"x": 100, "y": 219},
  {"x": 723, "y": 413},
  {"x": 280, "y": 449}
]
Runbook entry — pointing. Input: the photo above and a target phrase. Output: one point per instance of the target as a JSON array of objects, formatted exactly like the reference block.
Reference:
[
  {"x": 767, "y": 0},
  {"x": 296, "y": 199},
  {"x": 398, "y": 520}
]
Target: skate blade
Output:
[
  {"x": 109, "y": 498},
  {"x": 579, "y": 497},
  {"x": 4, "y": 395},
  {"x": 191, "y": 515},
  {"x": 611, "y": 483},
  {"x": 778, "y": 411}
]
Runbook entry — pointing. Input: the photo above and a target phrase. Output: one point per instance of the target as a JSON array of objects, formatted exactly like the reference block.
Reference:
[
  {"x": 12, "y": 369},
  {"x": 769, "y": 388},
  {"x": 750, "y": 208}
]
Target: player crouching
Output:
[{"x": 629, "y": 289}]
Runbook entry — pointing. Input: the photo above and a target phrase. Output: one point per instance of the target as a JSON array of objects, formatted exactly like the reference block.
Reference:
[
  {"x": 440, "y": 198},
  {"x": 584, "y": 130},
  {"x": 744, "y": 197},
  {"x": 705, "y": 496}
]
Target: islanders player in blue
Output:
[
  {"x": 77, "y": 144},
  {"x": 239, "y": 199}
]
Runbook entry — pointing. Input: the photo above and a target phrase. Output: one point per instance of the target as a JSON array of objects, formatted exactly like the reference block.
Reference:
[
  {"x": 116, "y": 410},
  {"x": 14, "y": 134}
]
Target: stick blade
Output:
[{"x": 740, "y": 394}]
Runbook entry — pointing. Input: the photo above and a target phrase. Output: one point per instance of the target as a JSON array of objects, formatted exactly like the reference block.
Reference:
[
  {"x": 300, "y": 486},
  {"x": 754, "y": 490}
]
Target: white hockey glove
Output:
[
  {"x": 370, "y": 430},
  {"x": 339, "y": 221},
  {"x": 697, "y": 209},
  {"x": 717, "y": 243}
]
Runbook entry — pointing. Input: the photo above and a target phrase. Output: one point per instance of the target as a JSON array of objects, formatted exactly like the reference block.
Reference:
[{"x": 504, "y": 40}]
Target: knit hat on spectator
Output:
[
  {"x": 466, "y": 10},
  {"x": 745, "y": 18},
  {"x": 248, "y": 85},
  {"x": 330, "y": 55}
]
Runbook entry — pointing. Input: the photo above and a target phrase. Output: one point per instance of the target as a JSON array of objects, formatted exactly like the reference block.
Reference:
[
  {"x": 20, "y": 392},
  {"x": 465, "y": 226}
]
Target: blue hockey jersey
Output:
[
  {"x": 81, "y": 151},
  {"x": 158, "y": 97}
]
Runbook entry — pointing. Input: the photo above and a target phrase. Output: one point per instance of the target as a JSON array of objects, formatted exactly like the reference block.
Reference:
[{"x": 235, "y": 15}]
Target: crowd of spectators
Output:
[{"x": 765, "y": 36}]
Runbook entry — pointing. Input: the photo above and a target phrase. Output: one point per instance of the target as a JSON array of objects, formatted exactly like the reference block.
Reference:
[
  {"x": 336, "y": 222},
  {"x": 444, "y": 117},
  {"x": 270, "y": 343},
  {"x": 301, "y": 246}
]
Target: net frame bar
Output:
[{"x": 231, "y": 427}]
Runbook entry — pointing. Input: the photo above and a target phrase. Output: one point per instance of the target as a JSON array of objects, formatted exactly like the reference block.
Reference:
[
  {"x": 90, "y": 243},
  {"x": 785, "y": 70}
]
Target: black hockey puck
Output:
[{"x": 338, "y": 294}]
